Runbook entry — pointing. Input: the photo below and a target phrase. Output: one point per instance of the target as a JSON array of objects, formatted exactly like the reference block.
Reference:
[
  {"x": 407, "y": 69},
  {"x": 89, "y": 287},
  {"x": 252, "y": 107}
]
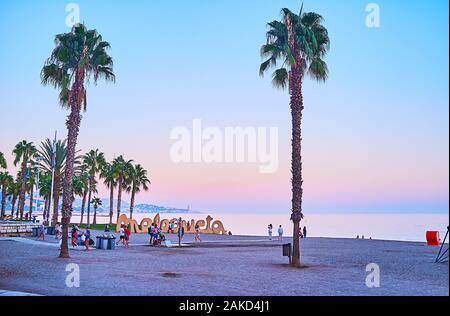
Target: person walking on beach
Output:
[
  {"x": 304, "y": 232},
  {"x": 127, "y": 235},
  {"x": 270, "y": 228},
  {"x": 197, "y": 234},
  {"x": 121, "y": 236},
  {"x": 150, "y": 232},
  {"x": 57, "y": 232},
  {"x": 41, "y": 232},
  {"x": 180, "y": 231},
  {"x": 74, "y": 235},
  {"x": 155, "y": 235},
  {"x": 87, "y": 238},
  {"x": 280, "y": 233}
]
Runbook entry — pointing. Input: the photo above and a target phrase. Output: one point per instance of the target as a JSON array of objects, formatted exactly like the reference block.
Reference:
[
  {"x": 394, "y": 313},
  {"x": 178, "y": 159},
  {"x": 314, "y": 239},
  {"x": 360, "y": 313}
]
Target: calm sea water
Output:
[{"x": 406, "y": 227}]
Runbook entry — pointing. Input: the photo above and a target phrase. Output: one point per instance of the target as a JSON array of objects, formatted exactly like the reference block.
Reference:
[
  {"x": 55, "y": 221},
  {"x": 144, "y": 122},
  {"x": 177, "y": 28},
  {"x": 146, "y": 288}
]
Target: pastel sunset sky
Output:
[{"x": 375, "y": 135}]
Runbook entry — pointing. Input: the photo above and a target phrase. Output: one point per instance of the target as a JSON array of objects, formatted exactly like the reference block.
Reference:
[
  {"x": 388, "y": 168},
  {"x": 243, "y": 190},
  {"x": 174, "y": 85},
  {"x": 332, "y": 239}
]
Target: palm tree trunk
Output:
[
  {"x": 119, "y": 197},
  {"x": 133, "y": 193},
  {"x": 111, "y": 203},
  {"x": 56, "y": 195},
  {"x": 44, "y": 215},
  {"x": 94, "y": 221},
  {"x": 3, "y": 202},
  {"x": 89, "y": 203},
  {"x": 73, "y": 127},
  {"x": 13, "y": 204},
  {"x": 22, "y": 188},
  {"x": 83, "y": 205},
  {"x": 31, "y": 199},
  {"x": 297, "y": 179},
  {"x": 47, "y": 214}
]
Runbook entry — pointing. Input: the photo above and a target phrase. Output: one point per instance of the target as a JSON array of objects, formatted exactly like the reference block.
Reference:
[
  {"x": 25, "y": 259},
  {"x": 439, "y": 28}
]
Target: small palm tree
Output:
[
  {"x": 23, "y": 152},
  {"x": 300, "y": 42},
  {"x": 5, "y": 180},
  {"x": 3, "y": 164},
  {"x": 30, "y": 184},
  {"x": 81, "y": 187},
  {"x": 94, "y": 162},
  {"x": 45, "y": 187},
  {"x": 109, "y": 179},
  {"x": 54, "y": 155},
  {"x": 96, "y": 202},
  {"x": 122, "y": 170},
  {"x": 137, "y": 180},
  {"x": 13, "y": 192},
  {"x": 78, "y": 56}
]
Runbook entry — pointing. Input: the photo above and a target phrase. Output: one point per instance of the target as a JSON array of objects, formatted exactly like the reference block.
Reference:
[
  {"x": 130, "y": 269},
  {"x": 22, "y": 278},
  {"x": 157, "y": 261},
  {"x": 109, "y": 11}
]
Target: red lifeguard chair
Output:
[{"x": 433, "y": 238}]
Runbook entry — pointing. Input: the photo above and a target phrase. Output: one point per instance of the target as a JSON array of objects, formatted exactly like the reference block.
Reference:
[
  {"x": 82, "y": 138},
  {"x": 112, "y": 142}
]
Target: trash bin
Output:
[
  {"x": 98, "y": 243},
  {"x": 51, "y": 230},
  {"x": 35, "y": 231},
  {"x": 104, "y": 243},
  {"x": 111, "y": 243}
]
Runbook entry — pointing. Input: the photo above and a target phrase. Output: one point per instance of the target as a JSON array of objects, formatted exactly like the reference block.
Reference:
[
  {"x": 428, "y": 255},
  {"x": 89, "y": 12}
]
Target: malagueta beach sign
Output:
[{"x": 207, "y": 226}]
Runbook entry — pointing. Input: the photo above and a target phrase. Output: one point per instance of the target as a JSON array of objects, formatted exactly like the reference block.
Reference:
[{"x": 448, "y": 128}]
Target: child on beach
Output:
[
  {"x": 280, "y": 233},
  {"x": 197, "y": 234}
]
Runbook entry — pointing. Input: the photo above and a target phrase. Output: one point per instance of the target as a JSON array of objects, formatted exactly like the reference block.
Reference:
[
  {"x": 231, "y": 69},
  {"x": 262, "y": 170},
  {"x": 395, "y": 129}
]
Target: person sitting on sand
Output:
[{"x": 280, "y": 233}]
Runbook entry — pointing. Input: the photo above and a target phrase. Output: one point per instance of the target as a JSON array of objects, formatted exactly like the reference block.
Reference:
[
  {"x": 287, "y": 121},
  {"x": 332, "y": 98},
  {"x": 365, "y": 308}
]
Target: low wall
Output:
[{"x": 16, "y": 229}]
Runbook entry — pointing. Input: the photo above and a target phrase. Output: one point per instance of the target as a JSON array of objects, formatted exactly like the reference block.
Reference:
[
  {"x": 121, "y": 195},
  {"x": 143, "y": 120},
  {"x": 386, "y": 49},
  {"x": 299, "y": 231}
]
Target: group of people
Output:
[
  {"x": 124, "y": 235},
  {"x": 302, "y": 234},
  {"x": 85, "y": 236},
  {"x": 156, "y": 234}
]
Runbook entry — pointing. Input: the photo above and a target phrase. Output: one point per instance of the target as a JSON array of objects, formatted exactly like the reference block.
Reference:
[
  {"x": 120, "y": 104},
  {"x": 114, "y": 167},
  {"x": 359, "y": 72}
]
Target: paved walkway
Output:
[{"x": 12, "y": 293}]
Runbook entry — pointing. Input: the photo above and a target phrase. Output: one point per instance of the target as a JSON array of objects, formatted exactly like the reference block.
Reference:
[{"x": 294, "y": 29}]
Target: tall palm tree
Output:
[
  {"x": 3, "y": 164},
  {"x": 45, "y": 187},
  {"x": 81, "y": 188},
  {"x": 94, "y": 161},
  {"x": 137, "y": 180},
  {"x": 109, "y": 179},
  {"x": 30, "y": 184},
  {"x": 122, "y": 169},
  {"x": 54, "y": 154},
  {"x": 13, "y": 192},
  {"x": 5, "y": 180},
  {"x": 96, "y": 202},
  {"x": 78, "y": 56},
  {"x": 23, "y": 152},
  {"x": 299, "y": 42}
]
